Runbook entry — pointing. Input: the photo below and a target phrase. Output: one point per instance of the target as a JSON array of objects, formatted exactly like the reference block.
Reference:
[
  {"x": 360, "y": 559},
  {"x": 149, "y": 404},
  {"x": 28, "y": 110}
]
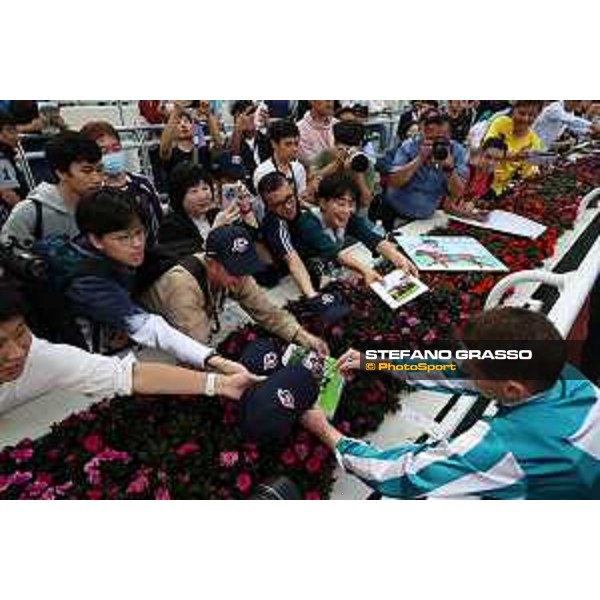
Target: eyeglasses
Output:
[
  {"x": 131, "y": 237},
  {"x": 287, "y": 201}
]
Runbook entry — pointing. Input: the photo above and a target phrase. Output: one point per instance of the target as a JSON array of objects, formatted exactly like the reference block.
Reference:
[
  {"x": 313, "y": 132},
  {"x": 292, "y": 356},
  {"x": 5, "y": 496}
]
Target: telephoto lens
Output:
[
  {"x": 280, "y": 488},
  {"x": 440, "y": 150},
  {"x": 359, "y": 162}
]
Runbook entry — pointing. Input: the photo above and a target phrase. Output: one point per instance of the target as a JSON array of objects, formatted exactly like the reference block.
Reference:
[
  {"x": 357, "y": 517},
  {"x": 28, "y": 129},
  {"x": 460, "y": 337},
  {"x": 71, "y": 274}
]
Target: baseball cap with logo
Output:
[
  {"x": 261, "y": 357},
  {"x": 329, "y": 306},
  {"x": 269, "y": 410},
  {"x": 233, "y": 247}
]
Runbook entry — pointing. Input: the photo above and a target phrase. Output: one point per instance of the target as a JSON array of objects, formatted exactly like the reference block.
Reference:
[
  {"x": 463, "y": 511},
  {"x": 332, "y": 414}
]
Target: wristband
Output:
[{"x": 210, "y": 386}]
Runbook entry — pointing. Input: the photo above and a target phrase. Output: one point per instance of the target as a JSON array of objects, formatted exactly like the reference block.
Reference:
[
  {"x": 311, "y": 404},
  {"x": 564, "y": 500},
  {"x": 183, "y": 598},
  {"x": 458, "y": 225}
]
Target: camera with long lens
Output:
[
  {"x": 359, "y": 161},
  {"x": 18, "y": 258},
  {"x": 280, "y": 488},
  {"x": 440, "y": 149}
]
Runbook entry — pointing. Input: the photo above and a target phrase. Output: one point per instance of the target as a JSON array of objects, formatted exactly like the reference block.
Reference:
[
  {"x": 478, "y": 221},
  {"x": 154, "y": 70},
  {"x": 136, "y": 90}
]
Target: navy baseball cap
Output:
[
  {"x": 233, "y": 247},
  {"x": 329, "y": 306},
  {"x": 270, "y": 409},
  {"x": 261, "y": 357}
]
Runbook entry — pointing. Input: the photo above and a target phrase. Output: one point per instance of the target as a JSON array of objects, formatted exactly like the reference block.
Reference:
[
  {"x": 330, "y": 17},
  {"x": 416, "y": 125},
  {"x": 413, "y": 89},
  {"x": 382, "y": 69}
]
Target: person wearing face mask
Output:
[{"x": 116, "y": 176}]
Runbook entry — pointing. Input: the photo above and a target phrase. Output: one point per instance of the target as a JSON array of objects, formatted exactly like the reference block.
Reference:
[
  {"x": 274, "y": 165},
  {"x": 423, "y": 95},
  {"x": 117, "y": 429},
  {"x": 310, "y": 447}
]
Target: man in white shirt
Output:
[
  {"x": 285, "y": 139},
  {"x": 558, "y": 117},
  {"x": 31, "y": 367}
]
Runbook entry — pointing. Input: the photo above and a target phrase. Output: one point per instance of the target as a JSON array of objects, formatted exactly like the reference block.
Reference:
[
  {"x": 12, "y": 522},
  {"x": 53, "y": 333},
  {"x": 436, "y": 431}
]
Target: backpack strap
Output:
[
  {"x": 38, "y": 228},
  {"x": 197, "y": 270}
]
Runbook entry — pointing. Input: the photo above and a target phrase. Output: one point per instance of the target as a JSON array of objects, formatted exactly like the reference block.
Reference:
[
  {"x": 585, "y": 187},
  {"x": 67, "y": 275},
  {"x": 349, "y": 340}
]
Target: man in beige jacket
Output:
[{"x": 191, "y": 294}]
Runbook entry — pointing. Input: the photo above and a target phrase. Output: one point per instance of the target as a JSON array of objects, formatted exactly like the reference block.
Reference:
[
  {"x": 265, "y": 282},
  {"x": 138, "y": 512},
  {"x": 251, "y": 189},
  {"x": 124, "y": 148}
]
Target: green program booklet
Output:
[{"x": 325, "y": 371}]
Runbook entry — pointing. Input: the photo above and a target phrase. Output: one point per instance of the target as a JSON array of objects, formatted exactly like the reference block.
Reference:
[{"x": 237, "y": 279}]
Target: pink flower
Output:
[
  {"x": 93, "y": 443},
  {"x": 20, "y": 455},
  {"x": 243, "y": 482},
  {"x": 312, "y": 495},
  {"x": 412, "y": 321},
  {"x": 228, "y": 459},
  {"x": 313, "y": 464},
  {"x": 16, "y": 478},
  {"x": 162, "y": 493},
  {"x": 139, "y": 484},
  {"x": 288, "y": 458},
  {"x": 187, "y": 448}
]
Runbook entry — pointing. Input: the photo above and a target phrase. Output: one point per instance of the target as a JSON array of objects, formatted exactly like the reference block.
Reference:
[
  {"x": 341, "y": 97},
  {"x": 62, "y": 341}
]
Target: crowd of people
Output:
[{"x": 283, "y": 193}]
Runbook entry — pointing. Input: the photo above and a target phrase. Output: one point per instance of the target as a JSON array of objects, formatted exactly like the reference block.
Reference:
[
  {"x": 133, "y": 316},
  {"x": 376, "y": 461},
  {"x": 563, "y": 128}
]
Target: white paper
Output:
[
  {"x": 507, "y": 222},
  {"x": 392, "y": 284}
]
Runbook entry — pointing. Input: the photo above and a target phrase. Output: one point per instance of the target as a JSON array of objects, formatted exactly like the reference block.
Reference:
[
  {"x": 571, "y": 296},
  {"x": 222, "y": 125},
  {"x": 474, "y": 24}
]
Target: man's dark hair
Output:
[
  {"x": 336, "y": 185},
  {"x": 496, "y": 142},
  {"x": 537, "y": 104},
  {"x": 270, "y": 183},
  {"x": 433, "y": 117},
  {"x": 279, "y": 130},
  {"x": 184, "y": 176},
  {"x": 240, "y": 106},
  {"x": 94, "y": 130},
  {"x": 107, "y": 211},
  {"x": 6, "y": 119},
  {"x": 513, "y": 328},
  {"x": 349, "y": 133},
  {"x": 12, "y": 301},
  {"x": 70, "y": 147}
]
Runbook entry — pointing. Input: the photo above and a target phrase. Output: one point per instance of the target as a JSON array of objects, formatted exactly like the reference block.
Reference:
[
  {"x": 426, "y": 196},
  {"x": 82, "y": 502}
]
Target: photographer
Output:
[
  {"x": 426, "y": 169},
  {"x": 247, "y": 142},
  {"x": 31, "y": 367},
  {"x": 347, "y": 156},
  {"x": 184, "y": 138}
]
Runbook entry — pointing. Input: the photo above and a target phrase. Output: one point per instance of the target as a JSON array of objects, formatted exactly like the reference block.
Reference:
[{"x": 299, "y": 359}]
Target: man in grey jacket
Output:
[{"x": 50, "y": 208}]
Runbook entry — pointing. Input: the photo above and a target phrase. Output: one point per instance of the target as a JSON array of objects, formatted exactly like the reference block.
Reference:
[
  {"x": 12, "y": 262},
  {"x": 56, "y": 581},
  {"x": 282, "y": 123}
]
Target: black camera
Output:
[
  {"x": 18, "y": 258},
  {"x": 359, "y": 161},
  {"x": 440, "y": 149},
  {"x": 281, "y": 488}
]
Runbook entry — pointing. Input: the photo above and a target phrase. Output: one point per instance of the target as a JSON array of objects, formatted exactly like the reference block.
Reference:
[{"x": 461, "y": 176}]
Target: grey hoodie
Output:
[{"x": 57, "y": 218}]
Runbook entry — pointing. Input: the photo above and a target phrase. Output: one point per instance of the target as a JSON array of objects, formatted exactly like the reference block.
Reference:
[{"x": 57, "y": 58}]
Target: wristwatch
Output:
[{"x": 210, "y": 387}]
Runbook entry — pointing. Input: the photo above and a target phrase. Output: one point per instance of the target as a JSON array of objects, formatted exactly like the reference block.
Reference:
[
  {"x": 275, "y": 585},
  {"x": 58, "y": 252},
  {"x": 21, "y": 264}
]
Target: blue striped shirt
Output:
[{"x": 547, "y": 447}]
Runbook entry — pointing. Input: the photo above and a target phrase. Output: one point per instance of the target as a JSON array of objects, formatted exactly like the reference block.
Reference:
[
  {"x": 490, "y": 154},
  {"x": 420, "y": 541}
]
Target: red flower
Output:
[
  {"x": 187, "y": 448},
  {"x": 243, "y": 482},
  {"x": 312, "y": 495},
  {"x": 313, "y": 464},
  {"x": 288, "y": 458},
  {"x": 94, "y": 494},
  {"x": 93, "y": 443}
]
